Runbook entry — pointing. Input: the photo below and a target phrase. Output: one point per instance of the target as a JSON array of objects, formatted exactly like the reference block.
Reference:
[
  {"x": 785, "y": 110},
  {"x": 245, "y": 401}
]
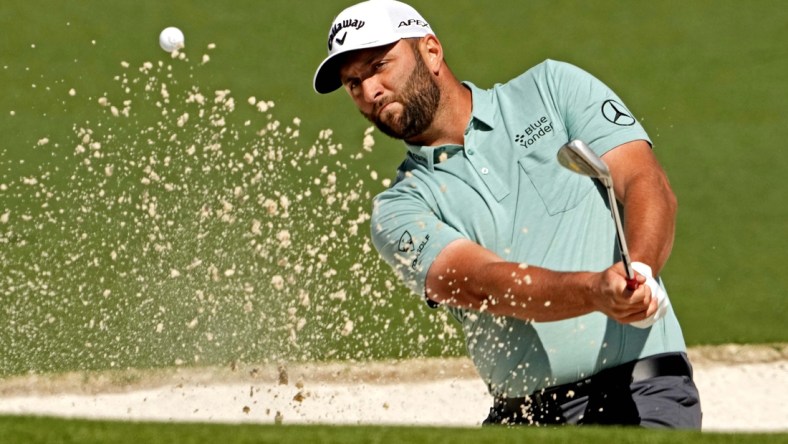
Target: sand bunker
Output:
[{"x": 742, "y": 389}]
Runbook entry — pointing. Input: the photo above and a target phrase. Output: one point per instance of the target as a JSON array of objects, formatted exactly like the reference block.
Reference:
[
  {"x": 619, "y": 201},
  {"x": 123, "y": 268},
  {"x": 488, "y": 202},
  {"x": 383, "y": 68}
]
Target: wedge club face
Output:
[{"x": 579, "y": 158}]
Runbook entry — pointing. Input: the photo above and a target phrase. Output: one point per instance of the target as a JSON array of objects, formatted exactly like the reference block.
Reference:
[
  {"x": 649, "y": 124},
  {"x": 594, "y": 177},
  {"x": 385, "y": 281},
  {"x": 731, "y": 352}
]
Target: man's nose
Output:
[{"x": 372, "y": 89}]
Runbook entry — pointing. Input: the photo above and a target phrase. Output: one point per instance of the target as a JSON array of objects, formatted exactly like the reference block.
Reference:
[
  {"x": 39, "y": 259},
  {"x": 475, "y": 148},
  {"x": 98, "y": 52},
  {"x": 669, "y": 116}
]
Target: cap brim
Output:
[{"x": 327, "y": 75}]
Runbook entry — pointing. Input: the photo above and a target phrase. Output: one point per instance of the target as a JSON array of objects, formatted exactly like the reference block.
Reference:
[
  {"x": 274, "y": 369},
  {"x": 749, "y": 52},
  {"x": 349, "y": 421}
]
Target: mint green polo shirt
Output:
[{"x": 505, "y": 190}]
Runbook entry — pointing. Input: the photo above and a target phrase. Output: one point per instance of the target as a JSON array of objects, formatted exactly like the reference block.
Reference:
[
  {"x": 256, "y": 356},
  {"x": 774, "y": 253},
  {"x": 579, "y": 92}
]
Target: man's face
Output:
[{"x": 393, "y": 88}]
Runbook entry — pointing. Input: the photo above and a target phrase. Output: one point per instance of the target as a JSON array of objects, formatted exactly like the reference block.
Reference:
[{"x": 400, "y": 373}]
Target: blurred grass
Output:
[
  {"x": 706, "y": 78},
  {"x": 48, "y": 430}
]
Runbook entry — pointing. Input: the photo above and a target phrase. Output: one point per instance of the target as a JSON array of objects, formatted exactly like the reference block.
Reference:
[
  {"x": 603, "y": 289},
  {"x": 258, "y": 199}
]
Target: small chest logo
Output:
[{"x": 542, "y": 127}]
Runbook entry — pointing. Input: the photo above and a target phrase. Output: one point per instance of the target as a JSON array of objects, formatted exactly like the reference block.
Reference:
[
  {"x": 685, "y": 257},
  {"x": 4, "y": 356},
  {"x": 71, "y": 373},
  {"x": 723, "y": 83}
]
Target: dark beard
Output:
[{"x": 419, "y": 98}]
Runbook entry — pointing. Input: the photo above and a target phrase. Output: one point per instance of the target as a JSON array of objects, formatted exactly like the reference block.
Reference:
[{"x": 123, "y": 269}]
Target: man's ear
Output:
[{"x": 432, "y": 53}]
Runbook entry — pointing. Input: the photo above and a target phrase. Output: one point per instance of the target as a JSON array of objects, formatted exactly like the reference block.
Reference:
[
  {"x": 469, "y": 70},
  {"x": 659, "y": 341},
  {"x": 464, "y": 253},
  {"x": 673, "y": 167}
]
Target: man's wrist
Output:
[{"x": 643, "y": 269}]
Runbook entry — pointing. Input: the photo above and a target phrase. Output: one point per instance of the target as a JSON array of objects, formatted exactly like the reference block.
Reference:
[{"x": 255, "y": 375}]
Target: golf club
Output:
[{"x": 578, "y": 157}]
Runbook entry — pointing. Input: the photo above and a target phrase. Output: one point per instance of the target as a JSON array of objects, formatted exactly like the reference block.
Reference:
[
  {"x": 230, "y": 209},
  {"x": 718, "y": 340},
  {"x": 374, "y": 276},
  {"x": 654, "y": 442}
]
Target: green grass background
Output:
[{"x": 707, "y": 78}]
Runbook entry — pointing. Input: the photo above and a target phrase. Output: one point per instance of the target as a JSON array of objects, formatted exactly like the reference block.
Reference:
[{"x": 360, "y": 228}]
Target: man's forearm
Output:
[
  {"x": 510, "y": 289},
  {"x": 649, "y": 203},
  {"x": 469, "y": 276},
  {"x": 650, "y": 220}
]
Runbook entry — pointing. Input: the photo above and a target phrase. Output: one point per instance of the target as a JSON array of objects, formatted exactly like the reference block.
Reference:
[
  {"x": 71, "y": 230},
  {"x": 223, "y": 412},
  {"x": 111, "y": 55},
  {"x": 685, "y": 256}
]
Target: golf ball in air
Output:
[{"x": 171, "y": 39}]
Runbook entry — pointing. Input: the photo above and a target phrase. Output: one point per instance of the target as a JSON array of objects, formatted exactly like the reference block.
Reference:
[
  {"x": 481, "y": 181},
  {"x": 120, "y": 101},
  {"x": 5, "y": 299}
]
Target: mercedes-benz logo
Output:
[{"x": 615, "y": 113}]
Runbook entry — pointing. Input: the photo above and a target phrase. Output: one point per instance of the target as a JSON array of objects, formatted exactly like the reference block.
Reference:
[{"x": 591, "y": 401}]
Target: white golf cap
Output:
[{"x": 364, "y": 25}]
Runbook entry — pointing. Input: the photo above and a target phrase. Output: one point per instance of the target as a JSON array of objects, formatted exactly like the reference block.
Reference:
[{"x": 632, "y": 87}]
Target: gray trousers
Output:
[{"x": 668, "y": 401}]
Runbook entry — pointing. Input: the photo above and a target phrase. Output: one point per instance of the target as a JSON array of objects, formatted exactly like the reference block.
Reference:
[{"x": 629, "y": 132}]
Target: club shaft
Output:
[{"x": 622, "y": 241}]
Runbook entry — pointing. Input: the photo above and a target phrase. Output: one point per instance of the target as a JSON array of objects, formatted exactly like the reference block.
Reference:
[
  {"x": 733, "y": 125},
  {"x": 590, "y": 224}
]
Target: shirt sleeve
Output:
[
  {"x": 408, "y": 234},
  {"x": 591, "y": 111}
]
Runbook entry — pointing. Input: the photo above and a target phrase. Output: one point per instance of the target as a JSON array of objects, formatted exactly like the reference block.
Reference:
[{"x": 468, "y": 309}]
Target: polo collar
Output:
[
  {"x": 483, "y": 111},
  {"x": 430, "y": 156}
]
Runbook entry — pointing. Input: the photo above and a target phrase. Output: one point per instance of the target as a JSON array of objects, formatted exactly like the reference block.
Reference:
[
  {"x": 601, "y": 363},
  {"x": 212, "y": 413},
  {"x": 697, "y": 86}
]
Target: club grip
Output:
[{"x": 632, "y": 284}]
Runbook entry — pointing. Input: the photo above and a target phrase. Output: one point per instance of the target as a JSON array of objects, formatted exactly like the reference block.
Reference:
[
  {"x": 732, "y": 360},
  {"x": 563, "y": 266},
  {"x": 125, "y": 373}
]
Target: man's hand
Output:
[
  {"x": 657, "y": 293},
  {"x": 618, "y": 302}
]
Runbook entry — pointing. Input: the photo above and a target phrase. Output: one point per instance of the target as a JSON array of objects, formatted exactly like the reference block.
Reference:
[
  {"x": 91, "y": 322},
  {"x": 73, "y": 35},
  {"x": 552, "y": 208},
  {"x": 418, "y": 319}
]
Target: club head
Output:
[{"x": 579, "y": 158}]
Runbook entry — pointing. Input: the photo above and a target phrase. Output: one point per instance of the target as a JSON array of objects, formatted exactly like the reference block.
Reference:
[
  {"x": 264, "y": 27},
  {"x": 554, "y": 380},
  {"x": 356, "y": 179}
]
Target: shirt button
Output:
[
  {"x": 470, "y": 152},
  {"x": 484, "y": 170}
]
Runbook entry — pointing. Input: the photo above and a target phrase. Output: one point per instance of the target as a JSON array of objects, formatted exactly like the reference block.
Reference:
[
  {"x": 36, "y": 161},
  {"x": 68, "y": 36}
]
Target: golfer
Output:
[{"x": 483, "y": 220}]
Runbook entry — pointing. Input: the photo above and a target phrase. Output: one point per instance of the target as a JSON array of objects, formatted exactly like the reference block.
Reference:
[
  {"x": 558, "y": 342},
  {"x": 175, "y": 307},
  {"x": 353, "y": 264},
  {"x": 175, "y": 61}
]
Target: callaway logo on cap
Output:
[{"x": 368, "y": 24}]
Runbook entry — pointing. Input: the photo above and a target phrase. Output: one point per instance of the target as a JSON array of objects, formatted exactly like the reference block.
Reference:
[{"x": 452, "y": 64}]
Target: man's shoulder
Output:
[
  {"x": 404, "y": 182},
  {"x": 548, "y": 68},
  {"x": 548, "y": 71}
]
